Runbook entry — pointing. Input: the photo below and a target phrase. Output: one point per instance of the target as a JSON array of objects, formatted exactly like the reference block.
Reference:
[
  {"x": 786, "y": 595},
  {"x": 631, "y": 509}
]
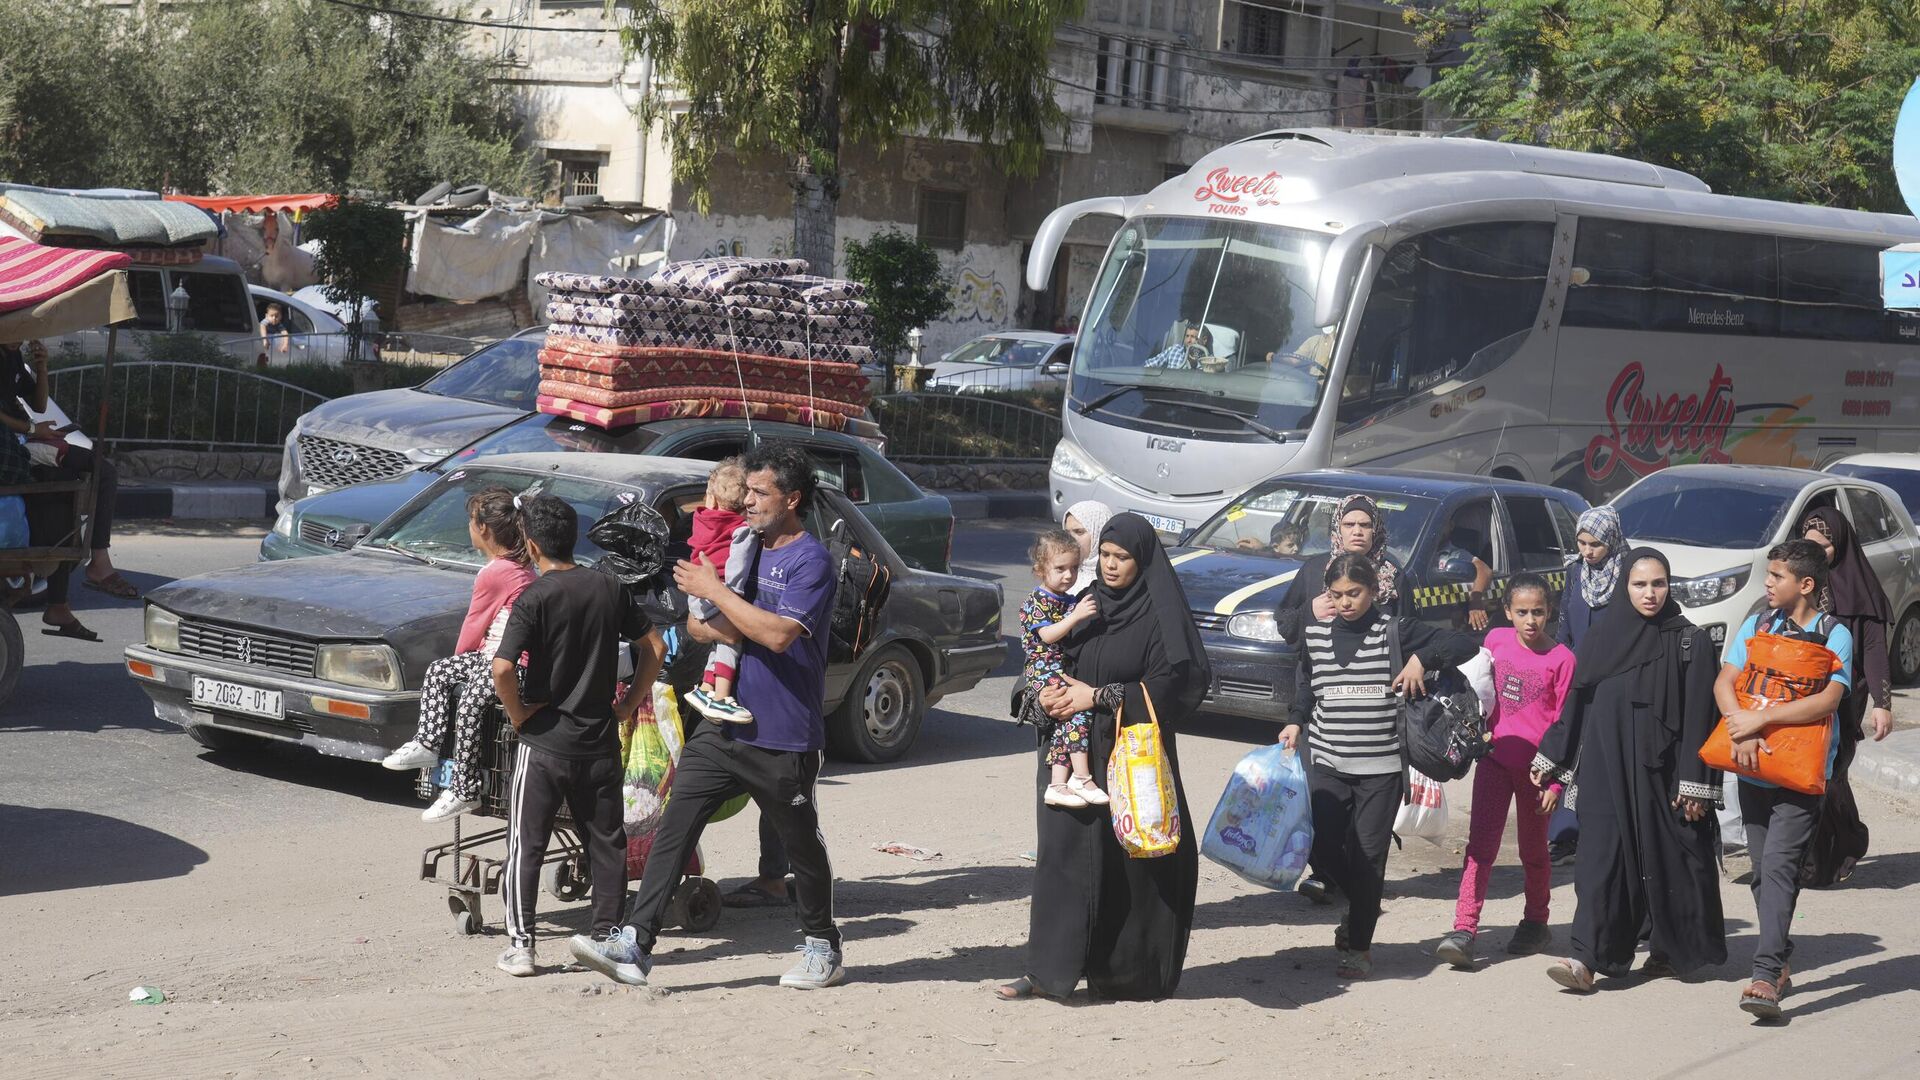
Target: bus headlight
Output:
[
  {"x": 163, "y": 630},
  {"x": 1254, "y": 626},
  {"x": 372, "y": 666},
  {"x": 1711, "y": 588},
  {"x": 1070, "y": 464}
]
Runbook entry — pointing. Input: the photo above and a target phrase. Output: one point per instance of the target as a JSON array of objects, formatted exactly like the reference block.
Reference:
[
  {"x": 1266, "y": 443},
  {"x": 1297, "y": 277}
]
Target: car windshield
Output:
[
  {"x": 1006, "y": 352},
  {"x": 1725, "y": 512},
  {"x": 1209, "y": 313},
  {"x": 543, "y": 434},
  {"x": 504, "y": 373},
  {"x": 1904, "y": 482},
  {"x": 1283, "y": 520},
  {"x": 434, "y": 527}
]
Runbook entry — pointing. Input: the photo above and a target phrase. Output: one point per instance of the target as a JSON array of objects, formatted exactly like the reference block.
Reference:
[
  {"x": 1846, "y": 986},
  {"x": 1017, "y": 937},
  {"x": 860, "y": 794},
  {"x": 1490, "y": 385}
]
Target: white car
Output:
[
  {"x": 1715, "y": 524},
  {"x": 1901, "y": 472},
  {"x": 314, "y": 335},
  {"x": 1008, "y": 360}
]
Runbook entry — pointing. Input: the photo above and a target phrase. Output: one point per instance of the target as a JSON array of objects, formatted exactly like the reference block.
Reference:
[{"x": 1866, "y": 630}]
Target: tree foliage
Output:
[
  {"x": 801, "y": 77},
  {"x": 244, "y": 96},
  {"x": 906, "y": 285},
  {"x": 362, "y": 247},
  {"x": 1768, "y": 98}
]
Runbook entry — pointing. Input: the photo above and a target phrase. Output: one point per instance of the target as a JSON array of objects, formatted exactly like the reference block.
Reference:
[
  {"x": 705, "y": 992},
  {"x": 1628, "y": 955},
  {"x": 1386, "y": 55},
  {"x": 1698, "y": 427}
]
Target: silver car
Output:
[{"x": 1008, "y": 360}]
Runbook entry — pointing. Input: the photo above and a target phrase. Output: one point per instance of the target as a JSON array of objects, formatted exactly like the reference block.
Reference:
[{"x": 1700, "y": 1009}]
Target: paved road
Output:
[{"x": 273, "y": 896}]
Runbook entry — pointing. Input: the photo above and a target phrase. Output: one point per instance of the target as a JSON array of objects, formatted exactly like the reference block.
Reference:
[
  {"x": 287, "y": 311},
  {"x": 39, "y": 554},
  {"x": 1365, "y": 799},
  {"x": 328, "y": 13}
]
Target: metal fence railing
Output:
[
  {"x": 200, "y": 406},
  {"x": 948, "y": 427},
  {"x": 398, "y": 346}
]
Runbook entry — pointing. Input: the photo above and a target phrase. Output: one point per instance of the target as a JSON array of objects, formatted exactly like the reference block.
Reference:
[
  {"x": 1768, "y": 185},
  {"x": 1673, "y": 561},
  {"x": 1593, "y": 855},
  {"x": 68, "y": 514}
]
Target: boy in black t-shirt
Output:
[{"x": 571, "y": 624}]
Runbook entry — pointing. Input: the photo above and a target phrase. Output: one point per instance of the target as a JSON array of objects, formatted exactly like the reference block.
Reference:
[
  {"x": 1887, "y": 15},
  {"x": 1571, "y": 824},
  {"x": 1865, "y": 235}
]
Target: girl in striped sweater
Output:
[{"x": 1345, "y": 703}]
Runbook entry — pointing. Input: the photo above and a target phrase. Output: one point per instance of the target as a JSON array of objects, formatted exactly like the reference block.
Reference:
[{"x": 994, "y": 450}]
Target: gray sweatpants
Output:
[
  {"x": 1780, "y": 826},
  {"x": 724, "y": 660}
]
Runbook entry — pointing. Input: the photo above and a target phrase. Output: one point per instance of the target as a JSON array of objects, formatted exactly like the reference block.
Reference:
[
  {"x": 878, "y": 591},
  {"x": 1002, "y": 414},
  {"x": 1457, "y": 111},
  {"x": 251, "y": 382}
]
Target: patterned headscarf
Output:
[
  {"x": 1093, "y": 517},
  {"x": 1383, "y": 566},
  {"x": 1597, "y": 582}
]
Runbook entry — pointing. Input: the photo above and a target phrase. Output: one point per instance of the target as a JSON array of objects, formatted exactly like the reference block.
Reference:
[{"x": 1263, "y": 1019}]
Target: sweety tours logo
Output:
[{"x": 1646, "y": 431}]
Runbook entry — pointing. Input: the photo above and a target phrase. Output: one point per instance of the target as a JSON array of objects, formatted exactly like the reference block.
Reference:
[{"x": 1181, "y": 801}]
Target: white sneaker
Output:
[
  {"x": 410, "y": 756},
  {"x": 1063, "y": 796},
  {"x": 1088, "y": 791},
  {"x": 516, "y": 961},
  {"x": 448, "y": 805},
  {"x": 820, "y": 966}
]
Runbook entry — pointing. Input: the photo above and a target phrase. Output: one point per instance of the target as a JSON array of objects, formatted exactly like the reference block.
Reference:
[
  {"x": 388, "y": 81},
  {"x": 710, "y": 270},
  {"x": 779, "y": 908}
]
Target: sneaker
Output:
[
  {"x": 700, "y": 700},
  {"x": 1317, "y": 889},
  {"x": 819, "y": 967},
  {"x": 1529, "y": 938},
  {"x": 448, "y": 806},
  {"x": 1088, "y": 791},
  {"x": 1062, "y": 796},
  {"x": 728, "y": 709},
  {"x": 413, "y": 755},
  {"x": 1561, "y": 852},
  {"x": 617, "y": 956},
  {"x": 517, "y": 961},
  {"x": 1457, "y": 949}
]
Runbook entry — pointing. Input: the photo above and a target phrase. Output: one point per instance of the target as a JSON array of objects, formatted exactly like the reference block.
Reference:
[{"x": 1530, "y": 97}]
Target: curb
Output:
[
  {"x": 1886, "y": 766},
  {"x": 983, "y": 505},
  {"x": 147, "y": 500}
]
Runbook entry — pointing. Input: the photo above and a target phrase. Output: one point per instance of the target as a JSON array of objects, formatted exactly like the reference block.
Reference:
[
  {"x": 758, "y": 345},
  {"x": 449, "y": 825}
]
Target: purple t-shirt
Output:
[{"x": 784, "y": 690}]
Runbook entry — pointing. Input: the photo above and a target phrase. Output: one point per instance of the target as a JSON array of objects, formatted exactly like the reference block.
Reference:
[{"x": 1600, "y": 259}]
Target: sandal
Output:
[
  {"x": 1762, "y": 999},
  {"x": 113, "y": 585},
  {"x": 70, "y": 630},
  {"x": 1354, "y": 965},
  {"x": 1658, "y": 967},
  {"x": 1571, "y": 974},
  {"x": 1019, "y": 989}
]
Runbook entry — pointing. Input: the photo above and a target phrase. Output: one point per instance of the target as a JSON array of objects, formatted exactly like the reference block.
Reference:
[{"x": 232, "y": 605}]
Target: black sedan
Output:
[
  {"x": 1438, "y": 524},
  {"x": 330, "y": 653}
]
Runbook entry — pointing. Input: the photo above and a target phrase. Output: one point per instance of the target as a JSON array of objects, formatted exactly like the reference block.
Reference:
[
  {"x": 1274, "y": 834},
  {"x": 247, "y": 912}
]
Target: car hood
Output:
[
  {"x": 353, "y": 596},
  {"x": 363, "y": 504},
  {"x": 406, "y": 419},
  {"x": 1225, "y": 582},
  {"x": 1691, "y": 562}
]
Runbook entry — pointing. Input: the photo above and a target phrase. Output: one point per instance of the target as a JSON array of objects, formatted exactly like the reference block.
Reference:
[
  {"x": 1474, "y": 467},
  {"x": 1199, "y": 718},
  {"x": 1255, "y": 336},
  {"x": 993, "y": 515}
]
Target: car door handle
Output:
[{"x": 1907, "y": 558}]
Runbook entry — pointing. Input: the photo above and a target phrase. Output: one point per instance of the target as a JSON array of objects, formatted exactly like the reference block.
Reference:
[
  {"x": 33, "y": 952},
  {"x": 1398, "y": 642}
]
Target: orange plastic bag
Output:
[
  {"x": 1778, "y": 670},
  {"x": 1145, "y": 804}
]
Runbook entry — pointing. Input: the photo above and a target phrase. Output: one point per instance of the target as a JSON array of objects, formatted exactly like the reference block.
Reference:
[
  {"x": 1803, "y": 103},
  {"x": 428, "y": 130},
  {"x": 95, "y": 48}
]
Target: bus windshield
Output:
[{"x": 1207, "y": 314}]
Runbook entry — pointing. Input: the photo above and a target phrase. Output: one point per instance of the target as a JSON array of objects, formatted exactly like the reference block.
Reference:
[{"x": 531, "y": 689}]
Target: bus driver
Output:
[{"x": 1196, "y": 344}]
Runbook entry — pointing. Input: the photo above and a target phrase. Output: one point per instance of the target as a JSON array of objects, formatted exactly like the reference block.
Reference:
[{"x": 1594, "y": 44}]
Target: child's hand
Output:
[
  {"x": 1746, "y": 752},
  {"x": 1323, "y": 607},
  {"x": 1412, "y": 679},
  {"x": 1549, "y": 797},
  {"x": 1290, "y": 737},
  {"x": 1745, "y": 724},
  {"x": 1086, "y": 609}
]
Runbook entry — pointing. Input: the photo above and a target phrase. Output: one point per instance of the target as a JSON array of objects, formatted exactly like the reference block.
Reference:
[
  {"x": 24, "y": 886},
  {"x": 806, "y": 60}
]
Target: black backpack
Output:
[
  {"x": 1444, "y": 733},
  {"x": 864, "y": 582}
]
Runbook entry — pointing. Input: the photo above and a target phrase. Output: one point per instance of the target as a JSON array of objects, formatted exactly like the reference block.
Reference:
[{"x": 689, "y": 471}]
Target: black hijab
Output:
[
  {"x": 1853, "y": 594},
  {"x": 1150, "y": 614},
  {"x": 1651, "y": 648}
]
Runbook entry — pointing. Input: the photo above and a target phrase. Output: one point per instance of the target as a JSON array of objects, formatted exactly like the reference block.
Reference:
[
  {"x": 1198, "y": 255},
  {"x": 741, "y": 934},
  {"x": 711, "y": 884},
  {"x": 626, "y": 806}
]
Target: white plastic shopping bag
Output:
[
  {"x": 1479, "y": 675},
  {"x": 1424, "y": 814}
]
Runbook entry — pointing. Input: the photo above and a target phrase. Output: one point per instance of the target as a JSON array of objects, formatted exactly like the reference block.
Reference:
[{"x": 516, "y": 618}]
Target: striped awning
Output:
[{"x": 31, "y": 274}]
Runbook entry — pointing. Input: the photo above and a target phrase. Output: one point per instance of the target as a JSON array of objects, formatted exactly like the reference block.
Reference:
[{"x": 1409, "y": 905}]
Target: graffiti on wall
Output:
[{"x": 978, "y": 298}]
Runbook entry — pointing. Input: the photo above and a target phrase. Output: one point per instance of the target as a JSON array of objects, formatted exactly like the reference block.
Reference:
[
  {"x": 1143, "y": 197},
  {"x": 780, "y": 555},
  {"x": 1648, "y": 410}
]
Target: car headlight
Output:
[
  {"x": 163, "y": 629},
  {"x": 283, "y": 525},
  {"x": 1710, "y": 588},
  {"x": 427, "y": 455},
  {"x": 1070, "y": 464},
  {"x": 1254, "y": 626},
  {"x": 372, "y": 666}
]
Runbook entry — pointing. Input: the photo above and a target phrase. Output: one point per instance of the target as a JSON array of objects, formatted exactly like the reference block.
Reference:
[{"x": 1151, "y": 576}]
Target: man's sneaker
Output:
[
  {"x": 819, "y": 966},
  {"x": 1529, "y": 938},
  {"x": 516, "y": 961},
  {"x": 700, "y": 700},
  {"x": 1063, "y": 796},
  {"x": 1456, "y": 949},
  {"x": 448, "y": 805},
  {"x": 617, "y": 956},
  {"x": 1088, "y": 791},
  {"x": 1317, "y": 889},
  {"x": 1561, "y": 852},
  {"x": 413, "y": 755},
  {"x": 728, "y": 709}
]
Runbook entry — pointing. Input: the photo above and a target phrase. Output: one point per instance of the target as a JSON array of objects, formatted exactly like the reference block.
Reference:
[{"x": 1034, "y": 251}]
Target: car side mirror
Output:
[{"x": 1055, "y": 368}]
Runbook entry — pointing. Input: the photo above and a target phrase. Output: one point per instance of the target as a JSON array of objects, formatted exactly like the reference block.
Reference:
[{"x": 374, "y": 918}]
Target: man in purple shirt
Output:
[{"x": 781, "y": 626}]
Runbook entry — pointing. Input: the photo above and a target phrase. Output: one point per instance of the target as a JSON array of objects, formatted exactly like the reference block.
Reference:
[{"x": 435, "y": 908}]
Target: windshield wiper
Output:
[
  {"x": 388, "y": 545},
  {"x": 1086, "y": 407},
  {"x": 1247, "y": 421}
]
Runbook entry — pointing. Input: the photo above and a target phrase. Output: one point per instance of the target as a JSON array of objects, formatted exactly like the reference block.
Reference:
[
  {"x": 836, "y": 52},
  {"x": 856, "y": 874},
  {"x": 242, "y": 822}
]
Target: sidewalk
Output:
[
  {"x": 195, "y": 500},
  {"x": 1892, "y": 764}
]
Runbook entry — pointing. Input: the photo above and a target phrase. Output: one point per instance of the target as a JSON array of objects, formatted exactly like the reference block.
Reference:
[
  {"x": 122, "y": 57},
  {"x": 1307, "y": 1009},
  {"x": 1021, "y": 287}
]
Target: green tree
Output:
[
  {"x": 802, "y": 78},
  {"x": 362, "y": 247},
  {"x": 1756, "y": 97},
  {"x": 906, "y": 287}
]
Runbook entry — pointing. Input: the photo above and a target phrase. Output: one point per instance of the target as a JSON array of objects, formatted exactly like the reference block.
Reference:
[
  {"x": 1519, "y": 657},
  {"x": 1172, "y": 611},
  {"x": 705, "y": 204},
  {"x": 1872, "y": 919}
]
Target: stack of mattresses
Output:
[{"x": 756, "y": 338}]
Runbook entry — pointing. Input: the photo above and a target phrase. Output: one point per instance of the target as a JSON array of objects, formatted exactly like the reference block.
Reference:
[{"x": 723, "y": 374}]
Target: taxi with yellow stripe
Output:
[{"x": 1443, "y": 530}]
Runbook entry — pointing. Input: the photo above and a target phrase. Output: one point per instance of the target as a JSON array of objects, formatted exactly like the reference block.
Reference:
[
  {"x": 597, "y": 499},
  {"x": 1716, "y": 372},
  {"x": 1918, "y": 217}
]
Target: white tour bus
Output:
[{"x": 1309, "y": 298}]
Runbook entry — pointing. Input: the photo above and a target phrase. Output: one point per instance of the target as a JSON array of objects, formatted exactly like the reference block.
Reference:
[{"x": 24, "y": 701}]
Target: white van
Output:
[{"x": 216, "y": 303}]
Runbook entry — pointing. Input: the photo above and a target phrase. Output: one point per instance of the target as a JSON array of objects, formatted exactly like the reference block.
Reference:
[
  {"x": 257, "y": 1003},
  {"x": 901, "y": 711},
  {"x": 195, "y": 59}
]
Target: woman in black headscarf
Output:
[
  {"x": 1121, "y": 923},
  {"x": 1629, "y": 736},
  {"x": 1853, "y": 597}
]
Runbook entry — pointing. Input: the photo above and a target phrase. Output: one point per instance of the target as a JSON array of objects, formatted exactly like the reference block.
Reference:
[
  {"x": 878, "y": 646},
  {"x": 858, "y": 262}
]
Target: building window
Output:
[
  {"x": 579, "y": 172},
  {"x": 1263, "y": 30},
  {"x": 943, "y": 218},
  {"x": 1133, "y": 73}
]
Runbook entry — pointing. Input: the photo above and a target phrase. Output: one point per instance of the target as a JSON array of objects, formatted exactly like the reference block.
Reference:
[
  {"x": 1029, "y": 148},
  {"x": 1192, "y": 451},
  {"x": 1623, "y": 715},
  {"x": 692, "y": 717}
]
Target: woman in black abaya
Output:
[
  {"x": 1855, "y": 598},
  {"x": 1120, "y": 923},
  {"x": 1629, "y": 736}
]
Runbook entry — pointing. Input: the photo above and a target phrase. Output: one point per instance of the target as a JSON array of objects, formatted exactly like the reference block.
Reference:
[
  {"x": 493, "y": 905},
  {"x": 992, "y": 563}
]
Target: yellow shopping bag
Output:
[{"x": 1146, "y": 808}]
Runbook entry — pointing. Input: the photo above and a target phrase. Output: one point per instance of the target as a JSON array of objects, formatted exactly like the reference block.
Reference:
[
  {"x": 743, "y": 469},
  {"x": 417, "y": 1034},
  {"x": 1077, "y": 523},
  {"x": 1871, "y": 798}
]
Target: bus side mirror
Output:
[
  {"x": 1053, "y": 230},
  {"x": 1337, "y": 271}
]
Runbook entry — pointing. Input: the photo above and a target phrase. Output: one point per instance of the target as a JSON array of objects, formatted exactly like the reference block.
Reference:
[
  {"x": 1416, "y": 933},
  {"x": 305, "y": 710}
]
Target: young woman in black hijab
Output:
[
  {"x": 1854, "y": 598},
  {"x": 1121, "y": 923},
  {"x": 1629, "y": 736}
]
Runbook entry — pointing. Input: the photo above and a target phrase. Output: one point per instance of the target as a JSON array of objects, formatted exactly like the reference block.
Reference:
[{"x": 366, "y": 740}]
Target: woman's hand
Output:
[
  {"x": 1882, "y": 722},
  {"x": 1477, "y": 619},
  {"x": 1538, "y": 776},
  {"x": 1290, "y": 737},
  {"x": 1745, "y": 724},
  {"x": 1690, "y": 808},
  {"x": 1746, "y": 752},
  {"x": 1412, "y": 679},
  {"x": 1323, "y": 607},
  {"x": 1549, "y": 797},
  {"x": 1069, "y": 696}
]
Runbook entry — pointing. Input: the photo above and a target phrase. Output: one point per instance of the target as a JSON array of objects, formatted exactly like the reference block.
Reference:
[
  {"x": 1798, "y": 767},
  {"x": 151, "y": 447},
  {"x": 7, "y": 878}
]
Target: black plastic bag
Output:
[{"x": 633, "y": 542}]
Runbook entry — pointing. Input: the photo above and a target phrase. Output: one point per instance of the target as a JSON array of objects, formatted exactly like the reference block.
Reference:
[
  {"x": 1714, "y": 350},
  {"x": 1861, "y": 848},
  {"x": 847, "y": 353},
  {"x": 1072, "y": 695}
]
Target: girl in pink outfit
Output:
[
  {"x": 1531, "y": 675},
  {"x": 458, "y": 689}
]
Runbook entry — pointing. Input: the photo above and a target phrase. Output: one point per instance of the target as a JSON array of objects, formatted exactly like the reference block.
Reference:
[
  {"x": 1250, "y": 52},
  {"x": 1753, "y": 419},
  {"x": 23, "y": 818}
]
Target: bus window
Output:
[
  {"x": 1829, "y": 291},
  {"x": 1715, "y": 282},
  {"x": 1612, "y": 276},
  {"x": 1452, "y": 303}
]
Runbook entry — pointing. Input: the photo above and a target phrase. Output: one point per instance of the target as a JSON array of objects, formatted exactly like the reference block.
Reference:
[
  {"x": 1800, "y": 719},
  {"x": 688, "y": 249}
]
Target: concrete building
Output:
[{"x": 1148, "y": 87}]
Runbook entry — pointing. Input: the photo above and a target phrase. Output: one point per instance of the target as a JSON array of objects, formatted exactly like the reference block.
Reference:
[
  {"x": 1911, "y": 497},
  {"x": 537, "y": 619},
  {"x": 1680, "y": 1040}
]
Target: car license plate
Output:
[
  {"x": 1173, "y": 526},
  {"x": 236, "y": 698}
]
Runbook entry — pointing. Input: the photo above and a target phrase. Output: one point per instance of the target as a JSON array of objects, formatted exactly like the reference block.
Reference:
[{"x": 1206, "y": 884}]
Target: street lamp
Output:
[{"x": 177, "y": 302}]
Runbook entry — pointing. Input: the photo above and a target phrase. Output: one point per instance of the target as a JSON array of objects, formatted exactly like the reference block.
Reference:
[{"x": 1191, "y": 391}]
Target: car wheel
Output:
[
  {"x": 881, "y": 715},
  {"x": 1906, "y": 648},
  {"x": 13, "y": 653},
  {"x": 214, "y": 738}
]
